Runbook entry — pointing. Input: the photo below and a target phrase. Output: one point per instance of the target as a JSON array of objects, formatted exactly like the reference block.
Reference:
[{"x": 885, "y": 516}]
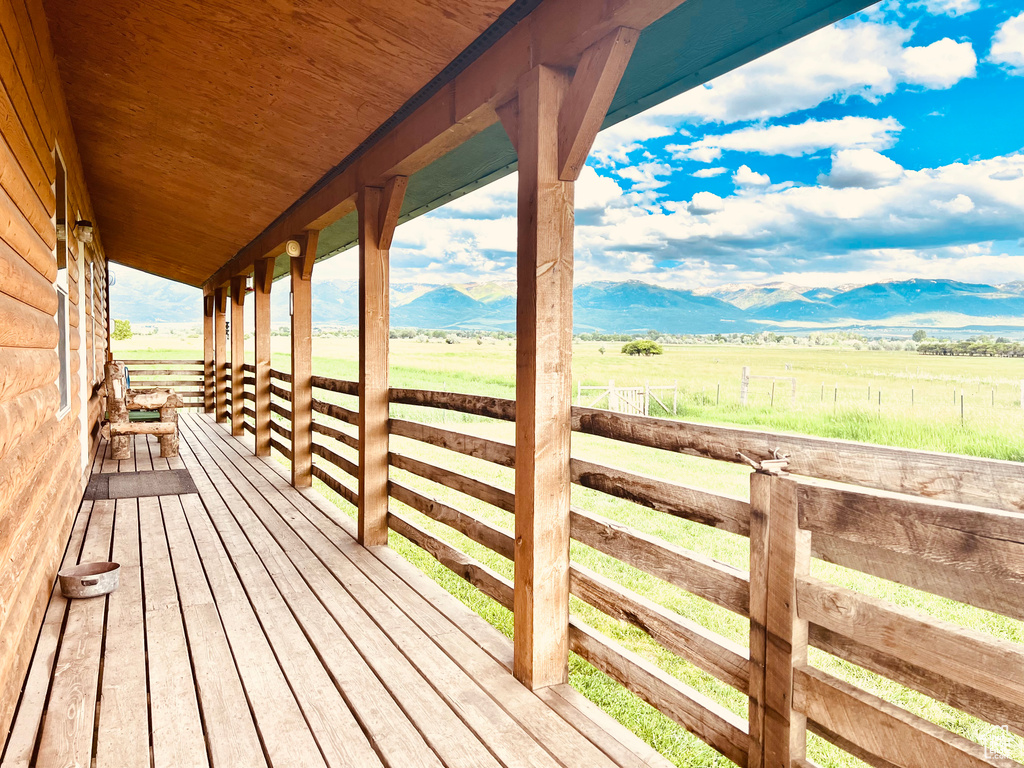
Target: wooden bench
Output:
[{"x": 120, "y": 400}]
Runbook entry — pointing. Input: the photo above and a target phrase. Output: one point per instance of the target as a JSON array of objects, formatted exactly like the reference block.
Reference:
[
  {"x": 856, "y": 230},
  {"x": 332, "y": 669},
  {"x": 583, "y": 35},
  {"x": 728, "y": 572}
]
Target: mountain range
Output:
[{"x": 623, "y": 307}]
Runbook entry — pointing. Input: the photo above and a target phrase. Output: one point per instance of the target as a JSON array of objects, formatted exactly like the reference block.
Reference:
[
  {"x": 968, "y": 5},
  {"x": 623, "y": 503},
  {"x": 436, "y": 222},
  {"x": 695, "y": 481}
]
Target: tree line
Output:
[{"x": 973, "y": 348}]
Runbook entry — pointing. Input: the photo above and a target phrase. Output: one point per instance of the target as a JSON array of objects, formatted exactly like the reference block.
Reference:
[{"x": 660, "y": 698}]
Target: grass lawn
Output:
[{"x": 832, "y": 401}]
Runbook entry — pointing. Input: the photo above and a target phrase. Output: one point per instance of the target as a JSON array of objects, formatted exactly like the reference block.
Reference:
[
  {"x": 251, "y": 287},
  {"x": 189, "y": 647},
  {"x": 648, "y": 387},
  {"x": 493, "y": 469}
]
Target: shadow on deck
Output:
[{"x": 251, "y": 629}]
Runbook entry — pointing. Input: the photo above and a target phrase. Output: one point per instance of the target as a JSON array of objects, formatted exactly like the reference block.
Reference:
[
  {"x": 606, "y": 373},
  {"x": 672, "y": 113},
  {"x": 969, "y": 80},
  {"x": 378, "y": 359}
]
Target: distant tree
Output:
[
  {"x": 122, "y": 330},
  {"x": 644, "y": 347},
  {"x": 919, "y": 336},
  {"x": 601, "y": 349}
]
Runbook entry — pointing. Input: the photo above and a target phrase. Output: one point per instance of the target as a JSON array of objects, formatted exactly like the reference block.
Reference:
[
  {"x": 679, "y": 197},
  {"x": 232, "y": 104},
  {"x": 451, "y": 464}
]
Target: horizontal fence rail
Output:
[
  {"x": 335, "y": 417},
  {"x": 949, "y": 525}
]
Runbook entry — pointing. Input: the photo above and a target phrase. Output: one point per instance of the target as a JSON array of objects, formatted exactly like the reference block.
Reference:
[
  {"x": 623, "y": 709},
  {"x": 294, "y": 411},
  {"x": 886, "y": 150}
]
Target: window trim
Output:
[{"x": 61, "y": 286}]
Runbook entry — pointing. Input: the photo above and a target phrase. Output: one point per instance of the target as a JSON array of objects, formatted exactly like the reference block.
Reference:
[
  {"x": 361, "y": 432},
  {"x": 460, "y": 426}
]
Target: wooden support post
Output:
[
  {"x": 543, "y": 371},
  {"x": 552, "y": 123},
  {"x": 378, "y": 216},
  {"x": 784, "y": 730},
  {"x": 302, "y": 360},
  {"x": 209, "y": 369},
  {"x": 263, "y": 278},
  {"x": 220, "y": 336},
  {"x": 237, "y": 353}
]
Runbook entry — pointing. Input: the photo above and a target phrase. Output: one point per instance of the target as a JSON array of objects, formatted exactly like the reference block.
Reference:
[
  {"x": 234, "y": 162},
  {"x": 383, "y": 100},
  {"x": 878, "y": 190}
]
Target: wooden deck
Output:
[{"x": 251, "y": 629}]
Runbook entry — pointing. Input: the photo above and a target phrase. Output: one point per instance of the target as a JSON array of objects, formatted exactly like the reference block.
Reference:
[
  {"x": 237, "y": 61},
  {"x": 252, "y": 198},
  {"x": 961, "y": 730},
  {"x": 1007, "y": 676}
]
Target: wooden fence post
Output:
[
  {"x": 760, "y": 509},
  {"x": 209, "y": 366},
  {"x": 789, "y": 556},
  {"x": 263, "y": 279},
  {"x": 378, "y": 210},
  {"x": 220, "y": 352},
  {"x": 552, "y": 123},
  {"x": 238, "y": 285},
  {"x": 302, "y": 359}
]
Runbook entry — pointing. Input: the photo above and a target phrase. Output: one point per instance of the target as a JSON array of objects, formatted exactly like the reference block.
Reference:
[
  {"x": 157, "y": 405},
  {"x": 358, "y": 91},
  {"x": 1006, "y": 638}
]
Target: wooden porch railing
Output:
[
  {"x": 948, "y": 525},
  {"x": 184, "y": 376}
]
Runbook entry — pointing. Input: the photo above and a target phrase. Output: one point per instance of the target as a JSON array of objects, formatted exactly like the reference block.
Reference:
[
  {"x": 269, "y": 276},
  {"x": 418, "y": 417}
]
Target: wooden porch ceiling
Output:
[
  {"x": 198, "y": 123},
  {"x": 213, "y": 133}
]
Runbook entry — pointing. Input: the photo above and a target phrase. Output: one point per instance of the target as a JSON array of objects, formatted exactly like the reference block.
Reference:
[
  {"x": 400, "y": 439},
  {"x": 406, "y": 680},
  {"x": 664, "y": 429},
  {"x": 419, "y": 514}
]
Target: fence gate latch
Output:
[{"x": 773, "y": 466}]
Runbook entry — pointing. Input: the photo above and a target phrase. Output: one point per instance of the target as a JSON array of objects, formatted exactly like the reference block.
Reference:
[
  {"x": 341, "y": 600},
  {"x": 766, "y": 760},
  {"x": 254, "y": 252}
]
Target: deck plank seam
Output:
[
  {"x": 103, "y": 647},
  {"x": 284, "y": 490},
  {"x": 231, "y": 648},
  {"x": 277, "y": 660},
  {"x": 257, "y": 462},
  {"x": 219, "y": 489},
  {"x": 68, "y": 551},
  {"x": 184, "y": 626},
  {"x": 370, "y": 614},
  {"x": 316, "y": 595},
  {"x": 256, "y": 615}
]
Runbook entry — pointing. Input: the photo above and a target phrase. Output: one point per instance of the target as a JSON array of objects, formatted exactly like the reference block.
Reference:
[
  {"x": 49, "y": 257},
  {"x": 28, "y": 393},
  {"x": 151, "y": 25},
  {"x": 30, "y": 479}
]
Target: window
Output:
[{"x": 63, "y": 331}]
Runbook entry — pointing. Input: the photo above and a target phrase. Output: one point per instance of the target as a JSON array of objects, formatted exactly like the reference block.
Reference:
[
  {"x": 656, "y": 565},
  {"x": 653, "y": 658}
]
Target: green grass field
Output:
[{"x": 708, "y": 391}]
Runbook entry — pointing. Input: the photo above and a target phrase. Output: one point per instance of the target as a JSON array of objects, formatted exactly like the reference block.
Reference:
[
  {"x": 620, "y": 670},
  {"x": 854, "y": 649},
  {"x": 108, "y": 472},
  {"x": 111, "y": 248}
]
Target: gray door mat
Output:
[{"x": 132, "y": 485}]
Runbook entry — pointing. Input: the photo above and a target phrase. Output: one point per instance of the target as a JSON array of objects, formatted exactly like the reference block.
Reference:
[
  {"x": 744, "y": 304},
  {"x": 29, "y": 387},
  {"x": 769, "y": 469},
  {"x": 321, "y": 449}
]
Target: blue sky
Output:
[{"x": 888, "y": 146}]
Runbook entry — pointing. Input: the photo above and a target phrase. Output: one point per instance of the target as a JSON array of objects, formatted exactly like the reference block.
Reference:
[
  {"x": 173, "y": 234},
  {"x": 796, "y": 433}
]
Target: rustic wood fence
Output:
[
  {"x": 948, "y": 525},
  {"x": 183, "y": 376},
  {"x": 630, "y": 399}
]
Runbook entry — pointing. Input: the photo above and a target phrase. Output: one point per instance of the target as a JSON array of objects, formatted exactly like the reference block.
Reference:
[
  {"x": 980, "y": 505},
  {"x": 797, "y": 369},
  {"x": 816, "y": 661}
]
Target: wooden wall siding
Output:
[{"x": 40, "y": 453}]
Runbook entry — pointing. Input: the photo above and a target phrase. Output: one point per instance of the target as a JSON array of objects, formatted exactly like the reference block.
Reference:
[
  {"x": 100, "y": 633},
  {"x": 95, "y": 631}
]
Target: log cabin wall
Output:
[{"x": 45, "y": 436}]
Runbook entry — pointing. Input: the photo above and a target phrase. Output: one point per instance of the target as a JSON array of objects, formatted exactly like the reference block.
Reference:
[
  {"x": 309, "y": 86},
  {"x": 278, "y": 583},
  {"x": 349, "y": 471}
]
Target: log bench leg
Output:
[
  {"x": 169, "y": 443},
  {"x": 120, "y": 447}
]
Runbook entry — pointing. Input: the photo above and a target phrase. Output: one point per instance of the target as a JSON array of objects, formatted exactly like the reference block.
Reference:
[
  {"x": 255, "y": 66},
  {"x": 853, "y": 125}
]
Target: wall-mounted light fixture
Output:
[
  {"x": 293, "y": 248},
  {"x": 83, "y": 230}
]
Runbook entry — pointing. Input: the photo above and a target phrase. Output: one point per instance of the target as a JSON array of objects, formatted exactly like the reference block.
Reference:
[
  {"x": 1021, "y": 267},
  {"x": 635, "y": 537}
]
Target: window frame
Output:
[{"x": 63, "y": 347}]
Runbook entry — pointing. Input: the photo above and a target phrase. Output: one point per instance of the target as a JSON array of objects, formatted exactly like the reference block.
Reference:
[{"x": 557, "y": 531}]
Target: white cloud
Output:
[
  {"x": 813, "y": 230},
  {"x": 867, "y": 59},
  {"x": 493, "y": 201},
  {"x": 1008, "y": 45},
  {"x": 613, "y": 145},
  {"x": 744, "y": 177},
  {"x": 1008, "y": 174},
  {"x": 863, "y": 168},
  {"x": 595, "y": 192},
  {"x": 708, "y": 173},
  {"x": 940, "y": 65},
  {"x": 948, "y": 7},
  {"x": 645, "y": 176},
  {"x": 959, "y": 204},
  {"x": 704, "y": 203},
  {"x": 795, "y": 140}
]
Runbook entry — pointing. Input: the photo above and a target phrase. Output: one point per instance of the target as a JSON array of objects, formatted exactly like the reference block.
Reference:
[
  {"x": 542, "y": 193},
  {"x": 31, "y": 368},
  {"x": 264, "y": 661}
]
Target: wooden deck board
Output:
[
  {"x": 250, "y": 629},
  {"x": 174, "y": 708},
  {"x": 70, "y": 715},
  {"x": 124, "y": 715}
]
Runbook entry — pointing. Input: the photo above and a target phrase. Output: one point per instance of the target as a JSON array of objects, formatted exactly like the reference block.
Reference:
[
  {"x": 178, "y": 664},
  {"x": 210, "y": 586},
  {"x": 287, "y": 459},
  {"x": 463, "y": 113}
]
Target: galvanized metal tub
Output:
[{"x": 89, "y": 579}]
